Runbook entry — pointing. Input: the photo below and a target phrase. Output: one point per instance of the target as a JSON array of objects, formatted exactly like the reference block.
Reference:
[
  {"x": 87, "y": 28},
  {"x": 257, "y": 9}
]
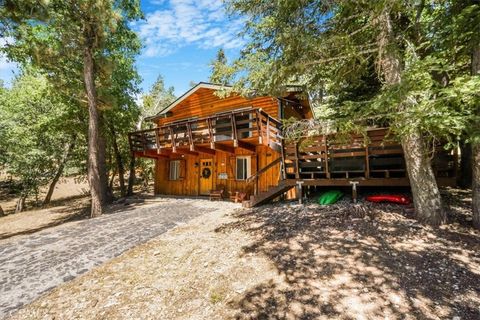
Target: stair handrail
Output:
[{"x": 264, "y": 169}]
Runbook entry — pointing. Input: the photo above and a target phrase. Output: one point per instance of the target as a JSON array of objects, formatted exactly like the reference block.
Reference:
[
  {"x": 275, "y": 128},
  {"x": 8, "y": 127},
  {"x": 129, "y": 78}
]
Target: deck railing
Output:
[
  {"x": 376, "y": 155},
  {"x": 229, "y": 126}
]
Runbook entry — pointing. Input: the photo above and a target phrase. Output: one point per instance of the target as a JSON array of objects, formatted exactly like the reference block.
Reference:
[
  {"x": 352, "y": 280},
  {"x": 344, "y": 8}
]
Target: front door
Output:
[{"x": 206, "y": 176}]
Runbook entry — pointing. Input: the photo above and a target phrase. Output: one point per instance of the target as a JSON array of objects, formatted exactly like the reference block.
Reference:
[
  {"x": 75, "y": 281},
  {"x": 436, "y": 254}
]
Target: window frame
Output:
[
  {"x": 176, "y": 166},
  {"x": 248, "y": 173}
]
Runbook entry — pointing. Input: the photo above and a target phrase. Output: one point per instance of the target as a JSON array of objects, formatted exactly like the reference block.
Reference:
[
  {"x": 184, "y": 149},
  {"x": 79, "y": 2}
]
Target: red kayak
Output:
[{"x": 394, "y": 198}]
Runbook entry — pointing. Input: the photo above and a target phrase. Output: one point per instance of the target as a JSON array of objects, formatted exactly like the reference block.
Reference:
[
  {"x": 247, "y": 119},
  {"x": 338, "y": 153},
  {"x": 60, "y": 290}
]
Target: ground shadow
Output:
[{"x": 359, "y": 262}]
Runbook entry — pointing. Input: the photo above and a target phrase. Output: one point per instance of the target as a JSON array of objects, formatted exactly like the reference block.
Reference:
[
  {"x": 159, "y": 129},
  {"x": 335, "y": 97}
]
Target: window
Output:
[
  {"x": 174, "y": 170},
  {"x": 243, "y": 167}
]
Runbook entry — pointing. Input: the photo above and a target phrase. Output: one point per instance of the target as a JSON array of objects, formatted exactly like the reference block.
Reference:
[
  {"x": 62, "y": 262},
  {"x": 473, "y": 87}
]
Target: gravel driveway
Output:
[{"x": 33, "y": 264}]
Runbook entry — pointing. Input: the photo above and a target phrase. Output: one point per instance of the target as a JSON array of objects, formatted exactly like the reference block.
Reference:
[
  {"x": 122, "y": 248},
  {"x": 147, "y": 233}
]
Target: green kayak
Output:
[{"x": 330, "y": 197}]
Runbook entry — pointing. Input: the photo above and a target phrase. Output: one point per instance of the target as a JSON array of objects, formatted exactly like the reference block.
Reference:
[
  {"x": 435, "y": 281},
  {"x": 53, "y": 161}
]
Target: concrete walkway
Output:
[{"x": 31, "y": 265}]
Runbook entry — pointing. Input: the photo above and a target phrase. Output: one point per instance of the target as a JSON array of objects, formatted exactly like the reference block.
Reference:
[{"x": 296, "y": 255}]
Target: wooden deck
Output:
[
  {"x": 375, "y": 159},
  {"x": 244, "y": 129}
]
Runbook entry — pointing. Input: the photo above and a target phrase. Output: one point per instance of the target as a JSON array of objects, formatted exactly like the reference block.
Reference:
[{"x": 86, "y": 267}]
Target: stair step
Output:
[{"x": 268, "y": 195}]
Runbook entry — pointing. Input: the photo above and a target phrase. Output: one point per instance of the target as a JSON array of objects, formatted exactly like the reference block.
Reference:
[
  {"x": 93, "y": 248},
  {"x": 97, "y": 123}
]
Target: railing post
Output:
[
  {"x": 234, "y": 129},
  {"x": 144, "y": 142},
  {"x": 259, "y": 126},
  {"x": 297, "y": 166},
  {"x": 327, "y": 169},
  {"x": 283, "y": 172},
  {"x": 157, "y": 140},
  {"x": 210, "y": 133},
  {"x": 367, "y": 162},
  {"x": 190, "y": 136},
  {"x": 268, "y": 131},
  {"x": 172, "y": 138}
]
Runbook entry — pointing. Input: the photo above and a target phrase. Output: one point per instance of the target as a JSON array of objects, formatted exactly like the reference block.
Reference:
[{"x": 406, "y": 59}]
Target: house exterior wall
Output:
[{"x": 223, "y": 163}]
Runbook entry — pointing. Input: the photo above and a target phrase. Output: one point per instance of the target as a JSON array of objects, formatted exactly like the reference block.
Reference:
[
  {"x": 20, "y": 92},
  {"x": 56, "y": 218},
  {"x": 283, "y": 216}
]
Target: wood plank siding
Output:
[
  {"x": 224, "y": 166},
  {"x": 203, "y": 102}
]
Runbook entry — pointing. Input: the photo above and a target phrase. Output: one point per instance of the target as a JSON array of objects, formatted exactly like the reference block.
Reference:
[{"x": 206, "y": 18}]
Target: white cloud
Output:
[{"x": 186, "y": 22}]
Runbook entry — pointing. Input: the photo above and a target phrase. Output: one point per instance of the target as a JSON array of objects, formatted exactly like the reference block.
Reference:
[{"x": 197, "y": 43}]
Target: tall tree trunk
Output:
[
  {"x": 426, "y": 196},
  {"x": 131, "y": 177},
  {"x": 96, "y": 147},
  {"x": 476, "y": 145},
  {"x": 59, "y": 173},
  {"x": 119, "y": 160},
  {"x": 476, "y": 186},
  {"x": 465, "y": 174}
]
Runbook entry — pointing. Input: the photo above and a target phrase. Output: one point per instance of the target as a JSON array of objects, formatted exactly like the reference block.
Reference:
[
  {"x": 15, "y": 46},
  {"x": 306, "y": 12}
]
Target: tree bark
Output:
[
  {"x": 476, "y": 186},
  {"x": 96, "y": 147},
  {"x": 2, "y": 213},
  {"x": 59, "y": 173},
  {"x": 119, "y": 160},
  {"x": 476, "y": 145},
  {"x": 426, "y": 195},
  {"x": 465, "y": 174},
  {"x": 131, "y": 177}
]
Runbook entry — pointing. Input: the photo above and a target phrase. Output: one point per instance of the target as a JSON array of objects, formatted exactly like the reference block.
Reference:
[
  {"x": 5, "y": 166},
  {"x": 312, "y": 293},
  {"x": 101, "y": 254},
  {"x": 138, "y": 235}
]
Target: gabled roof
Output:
[
  {"x": 200, "y": 85},
  {"x": 212, "y": 86}
]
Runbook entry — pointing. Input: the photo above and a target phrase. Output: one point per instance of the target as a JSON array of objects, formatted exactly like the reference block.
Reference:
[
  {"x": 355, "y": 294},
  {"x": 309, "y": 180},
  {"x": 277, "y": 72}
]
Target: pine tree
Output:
[
  {"x": 218, "y": 66},
  {"x": 332, "y": 46},
  {"x": 85, "y": 46}
]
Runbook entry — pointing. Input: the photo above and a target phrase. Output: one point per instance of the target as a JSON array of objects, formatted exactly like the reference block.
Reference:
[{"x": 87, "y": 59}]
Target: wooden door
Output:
[{"x": 206, "y": 176}]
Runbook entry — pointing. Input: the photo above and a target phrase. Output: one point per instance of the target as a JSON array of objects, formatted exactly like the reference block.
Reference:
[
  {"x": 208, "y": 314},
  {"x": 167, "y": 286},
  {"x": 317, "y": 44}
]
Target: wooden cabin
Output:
[{"x": 203, "y": 144}]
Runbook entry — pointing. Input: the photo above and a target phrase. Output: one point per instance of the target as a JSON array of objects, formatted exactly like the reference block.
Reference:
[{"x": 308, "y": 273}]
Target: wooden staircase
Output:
[{"x": 268, "y": 195}]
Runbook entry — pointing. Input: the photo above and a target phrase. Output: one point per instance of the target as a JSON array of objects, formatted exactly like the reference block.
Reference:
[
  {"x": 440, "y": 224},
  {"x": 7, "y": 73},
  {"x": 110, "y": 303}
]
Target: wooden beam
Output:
[
  {"x": 224, "y": 148},
  {"x": 141, "y": 154},
  {"x": 204, "y": 150},
  {"x": 185, "y": 151},
  {"x": 246, "y": 146},
  {"x": 372, "y": 182}
]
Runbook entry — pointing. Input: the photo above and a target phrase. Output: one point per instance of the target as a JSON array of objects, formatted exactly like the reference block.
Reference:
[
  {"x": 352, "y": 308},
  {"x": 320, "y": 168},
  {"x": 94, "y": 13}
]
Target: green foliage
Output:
[
  {"x": 37, "y": 124},
  {"x": 337, "y": 48},
  {"x": 56, "y": 36},
  {"x": 220, "y": 70},
  {"x": 53, "y": 35},
  {"x": 156, "y": 100}
]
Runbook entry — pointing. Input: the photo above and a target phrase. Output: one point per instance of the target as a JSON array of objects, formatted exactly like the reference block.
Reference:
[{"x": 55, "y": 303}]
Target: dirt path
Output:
[{"x": 33, "y": 264}]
